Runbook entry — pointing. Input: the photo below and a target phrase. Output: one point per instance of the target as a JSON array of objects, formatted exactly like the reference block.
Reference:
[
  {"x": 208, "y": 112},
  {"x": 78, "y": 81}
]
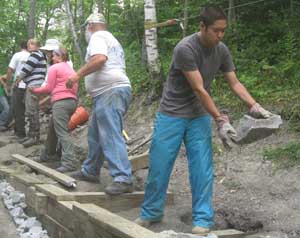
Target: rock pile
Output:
[{"x": 14, "y": 201}]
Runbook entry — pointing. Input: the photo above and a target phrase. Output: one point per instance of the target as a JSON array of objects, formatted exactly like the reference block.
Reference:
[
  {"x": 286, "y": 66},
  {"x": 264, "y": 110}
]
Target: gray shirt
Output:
[{"x": 190, "y": 54}]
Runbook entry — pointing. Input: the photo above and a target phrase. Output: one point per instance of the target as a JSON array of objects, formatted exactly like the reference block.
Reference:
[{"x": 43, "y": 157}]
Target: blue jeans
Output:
[
  {"x": 169, "y": 132},
  {"x": 4, "y": 111},
  {"x": 105, "y": 140}
]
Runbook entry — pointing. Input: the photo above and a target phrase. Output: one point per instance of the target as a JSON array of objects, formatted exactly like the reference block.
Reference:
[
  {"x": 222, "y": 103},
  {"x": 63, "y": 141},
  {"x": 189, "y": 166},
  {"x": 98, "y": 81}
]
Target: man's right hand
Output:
[
  {"x": 226, "y": 131},
  {"x": 72, "y": 80}
]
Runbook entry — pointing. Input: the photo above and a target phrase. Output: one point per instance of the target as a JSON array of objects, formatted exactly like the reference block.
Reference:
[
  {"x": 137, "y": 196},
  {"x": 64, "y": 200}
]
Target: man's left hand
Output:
[{"x": 257, "y": 111}]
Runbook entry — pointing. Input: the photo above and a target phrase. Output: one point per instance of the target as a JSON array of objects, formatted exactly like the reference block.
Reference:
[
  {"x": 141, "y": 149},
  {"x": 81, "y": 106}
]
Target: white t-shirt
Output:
[
  {"x": 112, "y": 74},
  {"x": 17, "y": 62}
]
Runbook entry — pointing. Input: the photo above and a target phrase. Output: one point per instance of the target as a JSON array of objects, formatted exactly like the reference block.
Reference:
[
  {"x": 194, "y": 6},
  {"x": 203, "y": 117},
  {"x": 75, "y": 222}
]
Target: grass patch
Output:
[{"x": 284, "y": 157}]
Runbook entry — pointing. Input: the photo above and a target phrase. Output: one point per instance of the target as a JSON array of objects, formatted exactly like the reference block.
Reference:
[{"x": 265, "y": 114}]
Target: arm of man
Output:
[
  {"x": 255, "y": 110},
  {"x": 95, "y": 63},
  {"x": 196, "y": 81},
  {"x": 225, "y": 130},
  {"x": 238, "y": 88},
  {"x": 9, "y": 74}
]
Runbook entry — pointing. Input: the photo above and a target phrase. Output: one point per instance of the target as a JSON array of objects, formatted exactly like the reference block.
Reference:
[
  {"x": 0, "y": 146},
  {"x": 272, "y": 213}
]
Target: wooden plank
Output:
[
  {"x": 6, "y": 171},
  {"x": 55, "y": 229},
  {"x": 112, "y": 203},
  {"x": 231, "y": 233},
  {"x": 60, "y": 177},
  {"x": 139, "y": 161},
  {"x": 61, "y": 211},
  {"x": 37, "y": 201},
  {"x": 55, "y": 192},
  {"x": 103, "y": 221}
]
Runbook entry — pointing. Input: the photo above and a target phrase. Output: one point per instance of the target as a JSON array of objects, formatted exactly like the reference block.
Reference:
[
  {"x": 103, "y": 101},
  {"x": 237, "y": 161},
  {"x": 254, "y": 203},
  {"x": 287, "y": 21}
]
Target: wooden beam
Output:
[
  {"x": 102, "y": 221},
  {"x": 61, "y": 178},
  {"x": 55, "y": 192},
  {"x": 55, "y": 229},
  {"x": 139, "y": 161},
  {"x": 6, "y": 171},
  {"x": 229, "y": 233},
  {"x": 118, "y": 203}
]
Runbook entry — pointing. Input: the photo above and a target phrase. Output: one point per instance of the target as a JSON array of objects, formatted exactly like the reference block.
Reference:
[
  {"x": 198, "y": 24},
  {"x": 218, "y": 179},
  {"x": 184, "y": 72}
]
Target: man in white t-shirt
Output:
[
  {"x": 106, "y": 81},
  {"x": 18, "y": 90}
]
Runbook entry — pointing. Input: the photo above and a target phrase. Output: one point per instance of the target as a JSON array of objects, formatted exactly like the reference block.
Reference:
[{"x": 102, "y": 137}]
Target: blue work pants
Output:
[
  {"x": 105, "y": 140},
  {"x": 169, "y": 133}
]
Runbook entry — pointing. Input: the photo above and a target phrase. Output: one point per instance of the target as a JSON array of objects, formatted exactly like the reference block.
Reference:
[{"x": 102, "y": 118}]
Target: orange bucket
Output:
[{"x": 79, "y": 117}]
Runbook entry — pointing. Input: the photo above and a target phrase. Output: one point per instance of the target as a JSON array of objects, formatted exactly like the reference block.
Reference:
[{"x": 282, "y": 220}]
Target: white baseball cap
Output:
[
  {"x": 95, "y": 18},
  {"x": 51, "y": 44}
]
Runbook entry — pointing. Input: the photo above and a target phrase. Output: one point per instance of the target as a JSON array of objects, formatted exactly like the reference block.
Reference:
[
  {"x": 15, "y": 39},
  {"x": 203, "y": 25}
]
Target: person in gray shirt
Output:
[{"x": 185, "y": 114}]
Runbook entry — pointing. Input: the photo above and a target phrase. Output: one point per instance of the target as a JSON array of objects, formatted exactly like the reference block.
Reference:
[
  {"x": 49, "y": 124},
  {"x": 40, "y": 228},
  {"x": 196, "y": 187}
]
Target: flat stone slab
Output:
[{"x": 251, "y": 129}]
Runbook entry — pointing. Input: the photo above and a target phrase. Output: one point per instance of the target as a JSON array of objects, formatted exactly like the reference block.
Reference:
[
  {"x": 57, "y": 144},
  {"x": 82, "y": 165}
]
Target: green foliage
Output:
[
  {"x": 264, "y": 42},
  {"x": 284, "y": 157},
  {"x": 136, "y": 70}
]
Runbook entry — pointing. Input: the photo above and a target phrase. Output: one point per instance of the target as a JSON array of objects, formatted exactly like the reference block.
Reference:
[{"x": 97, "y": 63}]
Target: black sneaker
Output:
[
  {"x": 116, "y": 188},
  {"x": 80, "y": 176}
]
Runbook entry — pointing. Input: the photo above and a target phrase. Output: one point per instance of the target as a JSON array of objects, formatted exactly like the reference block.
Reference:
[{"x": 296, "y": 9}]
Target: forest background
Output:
[{"x": 263, "y": 36}]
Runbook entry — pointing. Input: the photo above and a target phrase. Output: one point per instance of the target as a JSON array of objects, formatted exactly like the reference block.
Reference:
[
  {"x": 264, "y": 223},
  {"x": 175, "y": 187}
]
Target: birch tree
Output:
[
  {"x": 31, "y": 19},
  {"x": 154, "y": 65},
  {"x": 100, "y": 6},
  {"x": 231, "y": 13},
  {"x": 185, "y": 17},
  {"x": 73, "y": 30}
]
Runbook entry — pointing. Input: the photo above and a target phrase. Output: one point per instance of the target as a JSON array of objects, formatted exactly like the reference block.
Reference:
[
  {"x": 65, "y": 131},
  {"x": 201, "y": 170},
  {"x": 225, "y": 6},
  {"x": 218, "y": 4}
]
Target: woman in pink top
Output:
[{"x": 64, "y": 103}]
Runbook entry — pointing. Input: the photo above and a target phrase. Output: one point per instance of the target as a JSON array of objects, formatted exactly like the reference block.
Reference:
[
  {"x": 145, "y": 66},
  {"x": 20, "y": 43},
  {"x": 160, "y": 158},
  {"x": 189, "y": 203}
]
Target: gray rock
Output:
[
  {"x": 17, "y": 212},
  {"x": 19, "y": 221},
  {"x": 29, "y": 223},
  {"x": 8, "y": 204},
  {"x": 17, "y": 197},
  {"x": 268, "y": 235},
  {"x": 3, "y": 186},
  {"x": 173, "y": 234},
  {"x": 251, "y": 129}
]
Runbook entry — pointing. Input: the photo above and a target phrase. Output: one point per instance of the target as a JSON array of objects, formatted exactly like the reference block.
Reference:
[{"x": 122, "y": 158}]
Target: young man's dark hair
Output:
[
  {"x": 208, "y": 15},
  {"x": 23, "y": 45}
]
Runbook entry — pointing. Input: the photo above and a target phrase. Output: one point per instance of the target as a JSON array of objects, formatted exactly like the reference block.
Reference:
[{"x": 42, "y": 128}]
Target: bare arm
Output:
[
  {"x": 9, "y": 74},
  {"x": 196, "y": 81},
  {"x": 239, "y": 89},
  {"x": 95, "y": 63}
]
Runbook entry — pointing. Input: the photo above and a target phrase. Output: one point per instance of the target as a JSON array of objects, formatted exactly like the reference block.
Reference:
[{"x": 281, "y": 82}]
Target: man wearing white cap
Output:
[{"x": 110, "y": 88}]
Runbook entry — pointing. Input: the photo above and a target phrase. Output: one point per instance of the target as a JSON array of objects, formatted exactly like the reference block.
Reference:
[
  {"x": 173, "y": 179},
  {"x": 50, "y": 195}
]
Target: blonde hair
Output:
[{"x": 34, "y": 42}]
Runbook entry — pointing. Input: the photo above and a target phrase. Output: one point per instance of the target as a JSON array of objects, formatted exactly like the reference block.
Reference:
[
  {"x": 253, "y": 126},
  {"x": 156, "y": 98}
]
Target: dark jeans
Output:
[{"x": 18, "y": 110}]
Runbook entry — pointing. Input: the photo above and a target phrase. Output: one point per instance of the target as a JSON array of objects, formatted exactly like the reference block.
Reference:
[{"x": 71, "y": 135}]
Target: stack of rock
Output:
[{"x": 14, "y": 201}]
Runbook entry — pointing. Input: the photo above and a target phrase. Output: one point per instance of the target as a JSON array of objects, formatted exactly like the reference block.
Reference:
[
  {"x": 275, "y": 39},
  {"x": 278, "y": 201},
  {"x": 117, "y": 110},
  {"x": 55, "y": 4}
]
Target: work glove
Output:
[
  {"x": 257, "y": 111},
  {"x": 226, "y": 131}
]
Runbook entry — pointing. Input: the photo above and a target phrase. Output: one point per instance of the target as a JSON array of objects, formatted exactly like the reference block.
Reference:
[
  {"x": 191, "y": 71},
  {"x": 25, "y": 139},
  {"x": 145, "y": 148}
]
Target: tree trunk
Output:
[
  {"x": 185, "y": 18},
  {"x": 154, "y": 65},
  {"x": 231, "y": 13},
  {"x": 31, "y": 20},
  {"x": 292, "y": 7},
  {"x": 73, "y": 30},
  {"x": 100, "y": 6}
]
